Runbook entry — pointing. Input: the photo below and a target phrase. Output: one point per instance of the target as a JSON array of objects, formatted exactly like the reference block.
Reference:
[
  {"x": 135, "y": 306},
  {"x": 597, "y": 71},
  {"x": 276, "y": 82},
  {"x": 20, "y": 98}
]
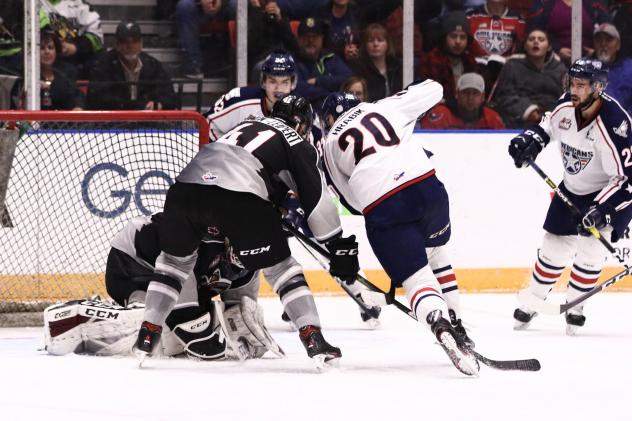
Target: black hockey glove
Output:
[
  {"x": 344, "y": 258},
  {"x": 527, "y": 145},
  {"x": 597, "y": 216}
]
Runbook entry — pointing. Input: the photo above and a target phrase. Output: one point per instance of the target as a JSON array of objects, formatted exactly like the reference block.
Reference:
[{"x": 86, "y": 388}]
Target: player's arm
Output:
[
  {"x": 416, "y": 99},
  {"x": 320, "y": 211},
  {"x": 616, "y": 160},
  {"x": 222, "y": 116}
]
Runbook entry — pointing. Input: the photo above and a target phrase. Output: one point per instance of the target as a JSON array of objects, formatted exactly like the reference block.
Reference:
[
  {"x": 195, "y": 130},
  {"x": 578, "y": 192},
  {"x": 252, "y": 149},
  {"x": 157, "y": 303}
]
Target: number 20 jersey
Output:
[{"x": 370, "y": 152}]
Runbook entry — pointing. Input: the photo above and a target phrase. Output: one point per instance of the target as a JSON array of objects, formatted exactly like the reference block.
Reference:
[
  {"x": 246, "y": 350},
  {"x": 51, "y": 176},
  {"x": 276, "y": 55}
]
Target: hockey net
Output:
[{"x": 69, "y": 181}]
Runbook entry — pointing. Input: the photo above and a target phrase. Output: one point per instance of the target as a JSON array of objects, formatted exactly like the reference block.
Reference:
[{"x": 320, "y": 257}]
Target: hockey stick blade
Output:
[{"x": 514, "y": 365}]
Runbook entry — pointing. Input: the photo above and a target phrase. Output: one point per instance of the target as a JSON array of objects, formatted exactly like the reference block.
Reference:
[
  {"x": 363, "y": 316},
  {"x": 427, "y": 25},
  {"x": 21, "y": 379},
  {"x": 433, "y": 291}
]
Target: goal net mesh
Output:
[{"x": 68, "y": 183}]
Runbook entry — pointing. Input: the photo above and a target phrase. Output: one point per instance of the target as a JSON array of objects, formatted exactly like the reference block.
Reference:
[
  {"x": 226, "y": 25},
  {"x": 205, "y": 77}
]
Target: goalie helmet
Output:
[
  {"x": 294, "y": 111},
  {"x": 336, "y": 104}
]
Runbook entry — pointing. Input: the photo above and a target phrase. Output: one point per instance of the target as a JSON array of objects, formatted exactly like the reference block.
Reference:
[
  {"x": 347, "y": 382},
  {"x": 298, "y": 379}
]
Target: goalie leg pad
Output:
[
  {"x": 245, "y": 325},
  {"x": 91, "y": 326}
]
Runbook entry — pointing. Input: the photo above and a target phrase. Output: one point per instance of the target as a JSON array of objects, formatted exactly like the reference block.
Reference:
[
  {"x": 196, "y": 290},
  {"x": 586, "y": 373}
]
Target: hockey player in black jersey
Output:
[
  {"x": 230, "y": 184},
  {"x": 197, "y": 326}
]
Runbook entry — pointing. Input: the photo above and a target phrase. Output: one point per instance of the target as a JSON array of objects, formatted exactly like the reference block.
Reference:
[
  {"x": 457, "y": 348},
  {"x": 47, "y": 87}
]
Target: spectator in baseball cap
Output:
[
  {"x": 467, "y": 111},
  {"x": 607, "y": 43}
]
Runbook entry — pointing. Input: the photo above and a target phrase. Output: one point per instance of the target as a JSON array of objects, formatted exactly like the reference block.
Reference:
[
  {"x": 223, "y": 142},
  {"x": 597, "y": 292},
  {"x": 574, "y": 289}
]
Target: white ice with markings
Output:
[{"x": 394, "y": 373}]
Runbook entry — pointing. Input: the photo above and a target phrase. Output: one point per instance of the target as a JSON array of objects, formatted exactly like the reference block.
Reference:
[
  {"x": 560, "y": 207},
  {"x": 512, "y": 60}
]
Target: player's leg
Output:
[
  {"x": 126, "y": 280},
  {"x": 186, "y": 217},
  {"x": 398, "y": 230},
  {"x": 585, "y": 271},
  {"x": 255, "y": 232},
  {"x": 557, "y": 250},
  {"x": 439, "y": 260}
]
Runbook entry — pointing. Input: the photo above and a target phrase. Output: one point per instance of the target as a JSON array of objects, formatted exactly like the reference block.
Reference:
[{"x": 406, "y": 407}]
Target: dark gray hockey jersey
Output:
[{"x": 251, "y": 156}]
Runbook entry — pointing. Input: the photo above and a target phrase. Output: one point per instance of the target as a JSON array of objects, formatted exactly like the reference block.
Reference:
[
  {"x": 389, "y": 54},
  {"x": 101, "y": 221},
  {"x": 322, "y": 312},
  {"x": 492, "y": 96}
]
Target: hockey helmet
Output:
[
  {"x": 296, "y": 112},
  {"x": 335, "y": 105},
  {"x": 589, "y": 68},
  {"x": 279, "y": 63}
]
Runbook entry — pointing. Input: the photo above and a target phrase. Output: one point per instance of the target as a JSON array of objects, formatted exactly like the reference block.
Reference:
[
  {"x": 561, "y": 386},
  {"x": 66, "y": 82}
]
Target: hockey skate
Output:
[
  {"x": 574, "y": 320},
  {"x": 457, "y": 325},
  {"x": 323, "y": 354},
  {"x": 523, "y": 317},
  {"x": 452, "y": 344},
  {"x": 148, "y": 339}
]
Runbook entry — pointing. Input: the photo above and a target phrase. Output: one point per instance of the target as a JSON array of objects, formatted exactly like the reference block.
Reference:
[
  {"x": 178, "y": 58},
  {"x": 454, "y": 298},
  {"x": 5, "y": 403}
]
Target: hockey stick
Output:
[
  {"x": 521, "y": 365},
  {"x": 528, "y": 299},
  {"x": 340, "y": 282}
]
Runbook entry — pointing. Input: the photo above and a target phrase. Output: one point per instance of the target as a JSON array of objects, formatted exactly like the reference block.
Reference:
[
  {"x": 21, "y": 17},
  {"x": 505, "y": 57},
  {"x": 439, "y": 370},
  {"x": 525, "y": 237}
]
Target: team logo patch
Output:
[
  {"x": 622, "y": 130},
  {"x": 565, "y": 123},
  {"x": 575, "y": 159},
  {"x": 398, "y": 176},
  {"x": 209, "y": 177},
  {"x": 494, "y": 40}
]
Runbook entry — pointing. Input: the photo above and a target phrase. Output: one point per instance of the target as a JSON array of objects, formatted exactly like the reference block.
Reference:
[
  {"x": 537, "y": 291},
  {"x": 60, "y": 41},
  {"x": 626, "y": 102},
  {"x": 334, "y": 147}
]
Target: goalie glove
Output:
[{"x": 344, "y": 258}]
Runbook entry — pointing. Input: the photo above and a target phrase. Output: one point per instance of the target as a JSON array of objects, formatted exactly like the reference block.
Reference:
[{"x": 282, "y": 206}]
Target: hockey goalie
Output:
[{"x": 216, "y": 316}]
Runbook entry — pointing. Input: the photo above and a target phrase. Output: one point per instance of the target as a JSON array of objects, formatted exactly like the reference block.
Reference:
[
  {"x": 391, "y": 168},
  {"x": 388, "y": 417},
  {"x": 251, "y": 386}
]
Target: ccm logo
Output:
[
  {"x": 254, "y": 251},
  {"x": 102, "y": 314},
  {"x": 62, "y": 314},
  {"x": 351, "y": 252},
  {"x": 197, "y": 325}
]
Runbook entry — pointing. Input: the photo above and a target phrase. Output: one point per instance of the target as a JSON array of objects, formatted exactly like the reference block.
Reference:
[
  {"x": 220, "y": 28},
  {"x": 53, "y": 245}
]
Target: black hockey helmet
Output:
[
  {"x": 296, "y": 112},
  {"x": 336, "y": 104}
]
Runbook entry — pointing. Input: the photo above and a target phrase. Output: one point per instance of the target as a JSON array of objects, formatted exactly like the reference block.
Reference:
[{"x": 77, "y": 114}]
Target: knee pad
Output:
[
  {"x": 591, "y": 253},
  {"x": 558, "y": 250},
  {"x": 282, "y": 273}
]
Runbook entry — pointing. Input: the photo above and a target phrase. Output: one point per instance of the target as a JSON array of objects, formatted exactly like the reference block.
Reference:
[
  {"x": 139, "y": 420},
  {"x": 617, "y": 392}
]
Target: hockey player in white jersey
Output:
[
  {"x": 592, "y": 132},
  {"x": 278, "y": 78},
  {"x": 380, "y": 170}
]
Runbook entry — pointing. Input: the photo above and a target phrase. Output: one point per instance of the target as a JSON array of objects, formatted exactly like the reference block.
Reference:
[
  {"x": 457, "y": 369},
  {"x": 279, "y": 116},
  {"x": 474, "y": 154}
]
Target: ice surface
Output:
[{"x": 394, "y": 373}]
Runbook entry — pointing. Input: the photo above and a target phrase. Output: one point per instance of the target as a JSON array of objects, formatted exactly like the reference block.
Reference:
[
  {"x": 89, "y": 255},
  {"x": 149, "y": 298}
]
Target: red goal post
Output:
[{"x": 69, "y": 180}]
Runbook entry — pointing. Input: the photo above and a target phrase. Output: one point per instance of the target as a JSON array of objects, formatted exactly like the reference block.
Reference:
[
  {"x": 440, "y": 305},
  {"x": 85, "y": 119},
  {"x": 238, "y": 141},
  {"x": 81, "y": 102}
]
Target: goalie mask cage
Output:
[{"x": 69, "y": 181}]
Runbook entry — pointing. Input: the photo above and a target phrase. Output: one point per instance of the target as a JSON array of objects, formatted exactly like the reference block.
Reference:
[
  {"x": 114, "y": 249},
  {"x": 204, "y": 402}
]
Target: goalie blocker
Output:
[{"x": 97, "y": 327}]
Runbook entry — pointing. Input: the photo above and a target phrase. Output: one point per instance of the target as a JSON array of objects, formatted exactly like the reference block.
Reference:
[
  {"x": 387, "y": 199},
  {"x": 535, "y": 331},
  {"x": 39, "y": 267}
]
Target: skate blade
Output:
[
  {"x": 141, "y": 355},
  {"x": 518, "y": 325},
  {"x": 571, "y": 330},
  {"x": 372, "y": 324},
  {"x": 324, "y": 362},
  {"x": 464, "y": 362}
]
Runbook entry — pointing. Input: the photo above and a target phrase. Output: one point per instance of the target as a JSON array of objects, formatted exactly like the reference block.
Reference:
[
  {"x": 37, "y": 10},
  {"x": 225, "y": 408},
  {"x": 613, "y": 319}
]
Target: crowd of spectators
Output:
[{"x": 502, "y": 63}]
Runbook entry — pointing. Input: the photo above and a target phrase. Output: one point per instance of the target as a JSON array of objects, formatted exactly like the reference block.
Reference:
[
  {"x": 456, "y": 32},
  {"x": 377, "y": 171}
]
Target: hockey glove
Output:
[
  {"x": 597, "y": 216},
  {"x": 295, "y": 213},
  {"x": 527, "y": 145},
  {"x": 344, "y": 258}
]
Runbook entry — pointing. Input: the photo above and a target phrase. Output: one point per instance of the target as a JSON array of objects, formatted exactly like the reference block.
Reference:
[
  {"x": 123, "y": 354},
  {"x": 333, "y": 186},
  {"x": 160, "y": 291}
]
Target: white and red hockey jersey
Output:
[
  {"x": 597, "y": 154},
  {"x": 370, "y": 153},
  {"x": 234, "y": 107}
]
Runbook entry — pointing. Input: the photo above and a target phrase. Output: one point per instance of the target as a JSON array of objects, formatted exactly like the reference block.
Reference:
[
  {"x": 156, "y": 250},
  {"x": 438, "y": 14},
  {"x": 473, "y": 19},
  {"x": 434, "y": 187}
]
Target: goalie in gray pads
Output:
[{"x": 197, "y": 326}]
